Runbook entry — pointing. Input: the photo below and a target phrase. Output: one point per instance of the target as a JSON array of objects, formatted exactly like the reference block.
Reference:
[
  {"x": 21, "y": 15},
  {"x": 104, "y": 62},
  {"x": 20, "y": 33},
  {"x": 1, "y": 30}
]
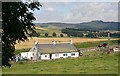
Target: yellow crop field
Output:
[{"x": 30, "y": 42}]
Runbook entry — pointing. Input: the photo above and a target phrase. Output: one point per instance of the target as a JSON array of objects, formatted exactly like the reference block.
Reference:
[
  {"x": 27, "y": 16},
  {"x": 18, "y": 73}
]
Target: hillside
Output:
[
  {"x": 42, "y": 31},
  {"x": 93, "y": 25}
]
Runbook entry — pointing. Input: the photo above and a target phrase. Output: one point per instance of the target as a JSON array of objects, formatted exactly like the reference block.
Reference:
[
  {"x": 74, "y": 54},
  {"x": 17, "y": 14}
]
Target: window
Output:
[
  {"x": 34, "y": 49},
  {"x": 57, "y": 55},
  {"x": 45, "y": 55},
  {"x": 72, "y": 54},
  {"x": 65, "y": 54}
]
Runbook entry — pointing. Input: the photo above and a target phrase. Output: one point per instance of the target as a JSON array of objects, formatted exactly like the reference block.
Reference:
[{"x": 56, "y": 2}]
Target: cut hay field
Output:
[{"x": 30, "y": 43}]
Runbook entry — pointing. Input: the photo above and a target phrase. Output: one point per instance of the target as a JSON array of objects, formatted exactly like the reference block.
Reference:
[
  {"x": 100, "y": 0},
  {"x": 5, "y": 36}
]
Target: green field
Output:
[{"x": 89, "y": 63}]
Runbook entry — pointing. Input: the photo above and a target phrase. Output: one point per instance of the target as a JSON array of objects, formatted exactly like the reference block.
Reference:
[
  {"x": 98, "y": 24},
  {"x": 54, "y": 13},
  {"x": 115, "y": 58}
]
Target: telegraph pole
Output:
[{"x": 108, "y": 39}]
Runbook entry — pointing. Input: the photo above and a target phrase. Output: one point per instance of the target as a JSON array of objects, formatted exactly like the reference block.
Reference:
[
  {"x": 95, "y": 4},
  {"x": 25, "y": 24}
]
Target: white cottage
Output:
[{"x": 52, "y": 51}]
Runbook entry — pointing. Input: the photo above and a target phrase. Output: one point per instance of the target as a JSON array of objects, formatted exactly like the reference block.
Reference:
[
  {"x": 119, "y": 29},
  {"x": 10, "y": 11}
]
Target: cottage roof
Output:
[{"x": 57, "y": 48}]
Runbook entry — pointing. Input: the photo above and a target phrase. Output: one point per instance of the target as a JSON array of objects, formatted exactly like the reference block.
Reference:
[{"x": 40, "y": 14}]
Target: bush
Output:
[
  {"x": 46, "y": 34},
  {"x": 61, "y": 35},
  {"x": 54, "y": 34}
]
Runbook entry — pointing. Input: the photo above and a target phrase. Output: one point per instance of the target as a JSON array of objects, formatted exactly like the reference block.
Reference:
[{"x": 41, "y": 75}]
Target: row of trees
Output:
[
  {"x": 76, "y": 32},
  {"x": 46, "y": 35},
  {"x": 87, "y": 33}
]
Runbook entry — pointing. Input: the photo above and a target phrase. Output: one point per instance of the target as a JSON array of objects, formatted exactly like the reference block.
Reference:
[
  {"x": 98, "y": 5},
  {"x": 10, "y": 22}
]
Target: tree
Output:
[
  {"x": 68, "y": 35},
  {"x": 34, "y": 34},
  {"x": 54, "y": 34},
  {"x": 38, "y": 34},
  {"x": 46, "y": 34},
  {"x": 61, "y": 35},
  {"x": 17, "y": 25}
]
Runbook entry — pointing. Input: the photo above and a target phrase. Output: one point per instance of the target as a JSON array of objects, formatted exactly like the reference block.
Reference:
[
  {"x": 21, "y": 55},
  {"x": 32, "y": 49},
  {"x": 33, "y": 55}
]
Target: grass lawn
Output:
[{"x": 87, "y": 64}]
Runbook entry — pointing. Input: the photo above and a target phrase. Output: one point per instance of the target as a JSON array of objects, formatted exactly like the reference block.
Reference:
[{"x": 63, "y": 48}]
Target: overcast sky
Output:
[{"x": 72, "y": 11}]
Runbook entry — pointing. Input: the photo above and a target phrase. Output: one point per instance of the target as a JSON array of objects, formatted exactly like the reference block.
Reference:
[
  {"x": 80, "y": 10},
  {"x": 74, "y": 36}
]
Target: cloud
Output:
[
  {"x": 57, "y": 0},
  {"x": 77, "y": 12},
  {"x": 50, "y": 9},
  {"x": 79, "y": 0},
  {"x": 93, "y": 11}
]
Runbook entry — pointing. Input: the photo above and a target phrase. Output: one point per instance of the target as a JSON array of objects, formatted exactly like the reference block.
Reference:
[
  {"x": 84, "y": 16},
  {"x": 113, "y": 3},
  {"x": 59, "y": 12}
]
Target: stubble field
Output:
[{"x": 29, "y": 43}]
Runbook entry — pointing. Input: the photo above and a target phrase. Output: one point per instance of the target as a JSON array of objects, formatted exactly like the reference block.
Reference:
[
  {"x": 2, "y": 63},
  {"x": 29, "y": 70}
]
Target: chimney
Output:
[
  {"x": 71, "y": 42},
  {"x": 35, "y": 42},
  {"x": 54, "y": 42}
]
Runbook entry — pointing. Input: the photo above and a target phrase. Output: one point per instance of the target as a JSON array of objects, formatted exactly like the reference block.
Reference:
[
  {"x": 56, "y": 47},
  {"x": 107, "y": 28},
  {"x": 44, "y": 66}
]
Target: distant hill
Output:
[{"x": 93, "y": 25}]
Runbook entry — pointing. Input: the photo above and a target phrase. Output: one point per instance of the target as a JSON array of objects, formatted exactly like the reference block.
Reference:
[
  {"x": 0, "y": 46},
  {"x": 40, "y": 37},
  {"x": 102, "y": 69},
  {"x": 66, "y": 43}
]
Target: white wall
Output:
[
  {"x": 24, "y": 54},
  {"x": 36, "y": 52},
  {"x": 45, "y": 57},
  {"x": 30, "y": 54},
  {"x": 61, "y": 55},
  {"x": 27, "y": 55}
]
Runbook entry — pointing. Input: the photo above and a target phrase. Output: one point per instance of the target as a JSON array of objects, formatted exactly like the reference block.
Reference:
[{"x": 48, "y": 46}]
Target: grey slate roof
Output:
[{"x": 57, "y": 48}]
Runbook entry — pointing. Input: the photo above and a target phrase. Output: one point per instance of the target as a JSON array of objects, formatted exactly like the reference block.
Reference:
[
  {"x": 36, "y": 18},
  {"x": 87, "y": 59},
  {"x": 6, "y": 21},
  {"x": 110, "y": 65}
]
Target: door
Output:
[{"x": 50, "y": 56}]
